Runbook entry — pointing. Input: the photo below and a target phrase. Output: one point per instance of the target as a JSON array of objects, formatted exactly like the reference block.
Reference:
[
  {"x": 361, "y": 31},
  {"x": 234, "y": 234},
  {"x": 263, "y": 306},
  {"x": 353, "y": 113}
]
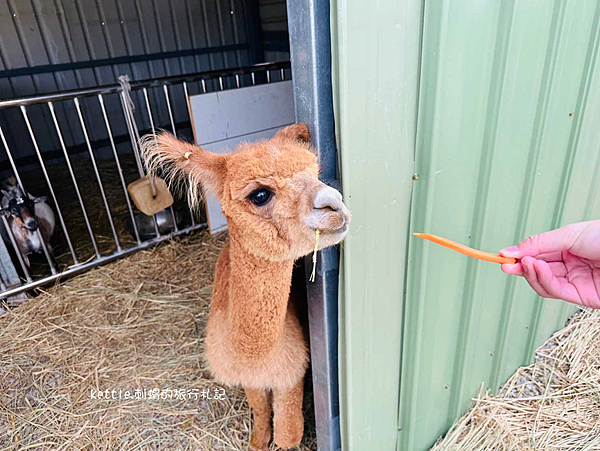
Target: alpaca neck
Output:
[{"x": 259, "y": 291}]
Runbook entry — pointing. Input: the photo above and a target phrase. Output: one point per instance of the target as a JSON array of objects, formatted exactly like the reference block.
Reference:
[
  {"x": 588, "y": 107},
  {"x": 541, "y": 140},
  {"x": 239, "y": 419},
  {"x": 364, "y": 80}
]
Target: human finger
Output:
[
  {"x": 531, "y": 276},
  {"x": 556, "y": 287},
  {"x": 551, "y": 257},
  {"x": 512, "y": 269},
  {"x": 553, "y": 241}
]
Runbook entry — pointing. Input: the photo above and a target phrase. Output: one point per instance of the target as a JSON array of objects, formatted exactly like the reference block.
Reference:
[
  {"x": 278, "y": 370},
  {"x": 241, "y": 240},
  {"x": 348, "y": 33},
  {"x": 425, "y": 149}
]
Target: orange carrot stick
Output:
[{"x": 486, "y": 256}]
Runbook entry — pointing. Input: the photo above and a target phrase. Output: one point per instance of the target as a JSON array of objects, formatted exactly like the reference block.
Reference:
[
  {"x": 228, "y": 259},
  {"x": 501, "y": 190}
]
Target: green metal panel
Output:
[
  {"x": 507, "y": 146},
  {"x": 375, "y": 47}
]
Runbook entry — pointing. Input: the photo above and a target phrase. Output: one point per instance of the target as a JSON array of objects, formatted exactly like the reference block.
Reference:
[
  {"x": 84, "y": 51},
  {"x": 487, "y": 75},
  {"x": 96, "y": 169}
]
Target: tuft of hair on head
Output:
[{"x": 185, "y": 167}]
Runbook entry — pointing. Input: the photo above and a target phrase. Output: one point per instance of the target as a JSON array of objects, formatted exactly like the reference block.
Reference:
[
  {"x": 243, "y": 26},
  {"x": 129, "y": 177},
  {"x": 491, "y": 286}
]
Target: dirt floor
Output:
[
  {"x": 136, "y": 324},
  {"x": 553, "y": 404}
]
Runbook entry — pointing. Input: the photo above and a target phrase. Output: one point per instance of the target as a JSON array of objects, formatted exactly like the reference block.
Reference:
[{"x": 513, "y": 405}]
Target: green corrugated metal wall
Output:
[
  {"x": 375, "y": 100},
  {"x": 506, "y": 144}
]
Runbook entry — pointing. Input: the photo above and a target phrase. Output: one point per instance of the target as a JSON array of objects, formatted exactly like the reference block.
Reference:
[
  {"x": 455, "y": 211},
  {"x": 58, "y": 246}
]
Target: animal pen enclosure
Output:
[
  {"x": 66, "y": 134},
  {"x": 78, "y": 48},
  {"x": 441, "y": 107},
  {"x": 87, "y": 184}
]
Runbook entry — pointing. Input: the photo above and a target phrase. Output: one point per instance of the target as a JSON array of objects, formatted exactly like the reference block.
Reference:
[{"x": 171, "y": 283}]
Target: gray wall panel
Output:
[{"x": 42, "y": 33}]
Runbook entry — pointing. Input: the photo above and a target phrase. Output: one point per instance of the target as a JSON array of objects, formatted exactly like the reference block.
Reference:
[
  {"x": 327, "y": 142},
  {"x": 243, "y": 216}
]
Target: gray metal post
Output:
[
  {"x": 8, "y": 273},
  {"x": 310, "y": 48}
]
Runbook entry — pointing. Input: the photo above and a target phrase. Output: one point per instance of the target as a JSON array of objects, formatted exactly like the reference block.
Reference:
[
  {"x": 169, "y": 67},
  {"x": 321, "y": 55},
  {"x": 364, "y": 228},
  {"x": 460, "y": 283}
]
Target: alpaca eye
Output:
[{"x": 260, "y": 196}]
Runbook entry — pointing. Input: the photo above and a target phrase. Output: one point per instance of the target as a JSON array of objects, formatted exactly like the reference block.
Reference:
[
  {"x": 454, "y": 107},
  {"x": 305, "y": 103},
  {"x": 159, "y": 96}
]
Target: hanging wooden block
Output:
[{"x": 145, "y": 200}]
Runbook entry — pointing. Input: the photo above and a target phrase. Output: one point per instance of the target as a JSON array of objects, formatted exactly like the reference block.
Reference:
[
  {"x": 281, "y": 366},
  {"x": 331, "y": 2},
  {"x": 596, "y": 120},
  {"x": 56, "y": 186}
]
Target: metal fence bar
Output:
[
  {"x": 68, "y": 160},
  {"x": 87, "y": 140},
  {"x": 10, "y": 158},
  {"x": 117, "y": 161},
  {"x": 16, "y": 248},
  {"x": 166, "y": 91},
  {"x": 38, "y": 233},
  {"x": 187, "y": 103},
  {"x": 149, "y": 110},
  {"x": 8, "y": 230},
  {"x": 58, "y": 211},
  {"x": 8, "y": 272},
  {"x": 135, "y": 139},
  {"x": 135, "y": 85},
  {"x": 134, "y": 134},
  {"x": 97, "y": 262}
]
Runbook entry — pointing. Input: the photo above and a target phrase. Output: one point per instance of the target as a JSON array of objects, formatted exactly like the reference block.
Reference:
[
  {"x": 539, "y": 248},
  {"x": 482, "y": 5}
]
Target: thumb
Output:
[{"x": 554, "y": 241}]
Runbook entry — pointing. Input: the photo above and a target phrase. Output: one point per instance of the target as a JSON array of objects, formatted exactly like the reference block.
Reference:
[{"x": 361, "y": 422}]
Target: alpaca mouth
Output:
[
  {"x": 342, "y": 229},
  {"x": 329, "y": 222},
  {"x": 339, "y": 231}
]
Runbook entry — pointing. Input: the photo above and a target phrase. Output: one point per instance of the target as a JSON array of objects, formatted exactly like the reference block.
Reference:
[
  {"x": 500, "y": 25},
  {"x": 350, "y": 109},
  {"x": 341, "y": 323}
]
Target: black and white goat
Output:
[{"x": 26, "y": 215}]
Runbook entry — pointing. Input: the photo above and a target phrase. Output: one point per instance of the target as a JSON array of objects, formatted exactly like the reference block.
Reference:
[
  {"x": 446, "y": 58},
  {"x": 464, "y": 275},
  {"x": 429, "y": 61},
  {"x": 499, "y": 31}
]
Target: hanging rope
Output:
[{"x": 129, "y": 106}]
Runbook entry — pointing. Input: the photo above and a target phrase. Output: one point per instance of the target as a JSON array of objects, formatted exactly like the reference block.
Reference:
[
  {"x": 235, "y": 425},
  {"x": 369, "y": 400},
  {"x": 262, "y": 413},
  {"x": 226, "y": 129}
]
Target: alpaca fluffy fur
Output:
[{"x": 254, "y": 338}]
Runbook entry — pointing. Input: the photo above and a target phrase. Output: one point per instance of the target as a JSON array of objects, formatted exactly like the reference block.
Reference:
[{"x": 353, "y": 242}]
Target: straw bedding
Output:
[
  {"x": 137, "y": 323},
  {"x": 553, "y": 404}
]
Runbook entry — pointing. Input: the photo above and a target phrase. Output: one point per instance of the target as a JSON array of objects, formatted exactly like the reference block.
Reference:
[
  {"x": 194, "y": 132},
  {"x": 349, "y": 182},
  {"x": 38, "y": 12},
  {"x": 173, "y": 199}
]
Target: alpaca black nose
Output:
[{"x": 31, "y": 225}]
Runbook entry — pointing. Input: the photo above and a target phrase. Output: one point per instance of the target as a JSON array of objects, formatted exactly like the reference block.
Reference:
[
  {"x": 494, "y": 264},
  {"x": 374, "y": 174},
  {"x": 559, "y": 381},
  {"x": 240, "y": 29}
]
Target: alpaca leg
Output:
[
  {"x": 261, "y": 410},
  {"x": 288, "y": 421}
]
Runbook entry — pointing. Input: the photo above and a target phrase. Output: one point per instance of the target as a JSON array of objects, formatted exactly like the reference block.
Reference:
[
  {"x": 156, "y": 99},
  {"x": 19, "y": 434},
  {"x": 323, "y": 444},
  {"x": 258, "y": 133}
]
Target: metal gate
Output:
[{"x": 95, "y": 132}]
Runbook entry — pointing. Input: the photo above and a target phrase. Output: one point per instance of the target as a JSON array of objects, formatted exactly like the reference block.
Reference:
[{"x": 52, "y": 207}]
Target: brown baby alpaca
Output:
[{"x": 274, "y": 203}]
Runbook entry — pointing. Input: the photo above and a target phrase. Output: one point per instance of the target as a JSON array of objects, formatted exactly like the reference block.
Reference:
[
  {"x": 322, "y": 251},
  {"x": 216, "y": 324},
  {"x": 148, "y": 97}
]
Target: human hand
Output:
[{"x": 561, "y": 264}]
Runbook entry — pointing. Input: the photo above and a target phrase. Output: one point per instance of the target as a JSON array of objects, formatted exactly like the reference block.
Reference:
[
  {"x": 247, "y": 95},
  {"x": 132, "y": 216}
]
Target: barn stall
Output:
[
  {"x": 80, "y": 84},
  {"x": 439, "y": 108}
]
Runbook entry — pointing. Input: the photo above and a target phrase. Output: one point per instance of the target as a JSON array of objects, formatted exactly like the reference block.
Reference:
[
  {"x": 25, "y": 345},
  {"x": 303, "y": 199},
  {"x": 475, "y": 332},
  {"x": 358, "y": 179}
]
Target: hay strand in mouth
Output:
[{"x": 314, "y": 257}]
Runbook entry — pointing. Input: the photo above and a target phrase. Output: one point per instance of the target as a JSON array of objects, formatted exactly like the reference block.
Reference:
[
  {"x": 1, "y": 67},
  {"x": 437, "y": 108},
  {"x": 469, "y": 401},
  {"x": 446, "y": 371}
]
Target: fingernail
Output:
[{"x": 512, "y": 251}]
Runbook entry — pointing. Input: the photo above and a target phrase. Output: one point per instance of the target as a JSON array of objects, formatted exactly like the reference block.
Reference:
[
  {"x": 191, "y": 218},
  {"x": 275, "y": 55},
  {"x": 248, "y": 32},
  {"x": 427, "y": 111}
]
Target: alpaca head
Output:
[{"x": 269, "y": 190}]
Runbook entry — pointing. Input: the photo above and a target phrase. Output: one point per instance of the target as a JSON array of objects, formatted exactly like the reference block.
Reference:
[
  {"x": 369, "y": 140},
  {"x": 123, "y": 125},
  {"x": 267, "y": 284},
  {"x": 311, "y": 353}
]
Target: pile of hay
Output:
[
  {"x": 137, "y": 323},
  {"x": 553, "y": 404}
]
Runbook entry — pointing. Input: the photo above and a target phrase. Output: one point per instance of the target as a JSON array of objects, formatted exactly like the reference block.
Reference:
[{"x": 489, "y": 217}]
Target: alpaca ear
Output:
[
  {"x": 179, "y": 162},
  {"x": 294, "y": 132}
]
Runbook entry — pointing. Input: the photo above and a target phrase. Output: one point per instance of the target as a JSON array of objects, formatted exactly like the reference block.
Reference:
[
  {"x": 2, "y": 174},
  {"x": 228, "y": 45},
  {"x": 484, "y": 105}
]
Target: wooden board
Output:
[{"x": 224, "y": 119}]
